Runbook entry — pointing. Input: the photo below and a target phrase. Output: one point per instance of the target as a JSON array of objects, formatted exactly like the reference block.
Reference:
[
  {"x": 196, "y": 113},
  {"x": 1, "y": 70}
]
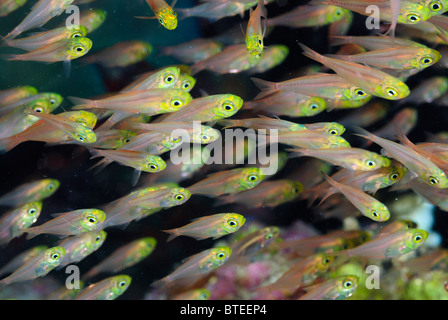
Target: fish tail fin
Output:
[
  {"x": 310, "y": 53},
  {"x": 263, "y": 10},
  {"x": 266, "y": 87},
  {"x": 363, "y": 133},
  {"x": 31, "y": 233},
  {"x": 172, "y": 234},
  {"x": 81, "y": 103},
  {"x": 100, "y": 165},
  {"x": 10, "y": 57},
  {"x": 8, "y": 143},
  {"x": 223, "y": 200},
  {"x": 332, "y": 190}
]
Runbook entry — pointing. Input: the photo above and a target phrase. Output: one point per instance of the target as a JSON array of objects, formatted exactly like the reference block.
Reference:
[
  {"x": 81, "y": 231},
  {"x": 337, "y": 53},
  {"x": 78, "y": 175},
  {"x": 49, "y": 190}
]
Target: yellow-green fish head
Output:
[
  {"x": 334, "y": 128},
  {"x": 232, "y": 222},
  {"x": 86, "y": 118},
  {"x": 372, "y": 161},
  {"x": 336, "y": 142},
  {"x": 206, "y": 135},
  {"x": 412, "y": 13},
  {"x": 154, "y": 163},
  {"x": 346, "y": 286},
  {"x": 49, "y": 186},
  {"x": 53, "y": 257},
  {"x": 76, "y": 31},
  {"x": 436, "y": 179},
  {"x": 218, "y": 256},
  {"x": 323, "y": 261},
  {"x": 29, "y": 214},
  {"x": 55, "y": 100},
  {"x": 393, "y": 174},
  {"x": 176, "y": 197},
  {"x": 185, "y": 82},
  {"x": 120, "y": 284},
  {"x": 167, "y": 18},
  {"x": 426, "y": 58},
  {"x": 146, "y": 246},
  {"x": 355, "y": 93},
  {"x": 228, "y": 106},
  {"x": 97, "y": 241},
  {"x": 294, "y": 188},
  {"x": 250, "y": 178},
  {"x": 96, "y": 18},
  {"x": 254, "y": 43},
  {"x": 176, "y": 100},
  {"x": 168, "y": 78},
  {"x": 78, "y": 47},
  {"x": 84, "y": 134},
  {"x": 392, "y": 89},
  {"x": 415, "y": 238},
  {"x": 313, "y": 106},
  {"x": 335, "y": 14},
  {"x": 92, "y": 219},
  {"x": 437, "y": 6},
  {"x": 379, "y": 212}
]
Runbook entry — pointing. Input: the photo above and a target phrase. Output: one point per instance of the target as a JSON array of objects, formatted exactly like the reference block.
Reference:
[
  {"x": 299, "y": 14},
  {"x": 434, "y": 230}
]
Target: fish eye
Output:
[
  {"x": 185, "y": 85},
  {"x": 418, "y": 237},
  {"x": 252, "y": 177},
  {"x": 393, "y": 176},
  {"x": 391, "y": 92},
  {"x": 179, "y": 197},
  {"x": 176, "y": 103},
  {"x": 345, "y": 246},
  {"x": 205, "y": 138},
  {"x": 326, "y": 261},
  {"x": 348, "y": 284},
  {"x": 161, "y": 21},
  {"x": 232, "y": 223},
  {"x": 32, "y": 211},
  {"x": 169, "y": 78},
  {"x": 176, "y": 140},
  {"x": 259, "y": 42},
  {"x": 122, "y": 283},
  {"x": 295, "y": 190},
  {"x": 81, "y": 138},
  {"x": 152, "y": 166},
  {"x": 221, "y": 255},
  {"x": 228, "y": 106},
  {"x": 360, "y": 93},
  {"x": 334, "y": 132},
  {"x": 55, "y": 256},
  {"x": 370, "y": 163},
  {"x": 375, "y": 214},
  {"x": 433, "y": 180},
  {"x": 314, "y": 106},
  {"x": 269, "y": 236},
  {"x": 426, "y": 60},
  {"x": 52, "y": 101},
  {"x": 413, "y": 18},
  {"x": 38, "y": 109},
  {"x": 79, "y": 48},
  {"x": 435, "y": 6},
  {"x": 76, "y": 35},
  {"x": 338, "y": 12},
  {"x": 50, "y": 187},
  {"x": 91, "y": 219},
  {"x": 98, "y": 238}
]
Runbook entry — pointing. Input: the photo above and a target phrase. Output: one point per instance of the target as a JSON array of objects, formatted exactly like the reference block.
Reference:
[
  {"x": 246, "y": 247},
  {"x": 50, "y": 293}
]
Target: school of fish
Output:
[{"x": 351, "y": 164}]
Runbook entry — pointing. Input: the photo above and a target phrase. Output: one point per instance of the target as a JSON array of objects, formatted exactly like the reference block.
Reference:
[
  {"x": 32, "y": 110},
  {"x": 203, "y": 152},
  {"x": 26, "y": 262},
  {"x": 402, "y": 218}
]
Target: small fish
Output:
[
  {"x": 185, "y": 82},
  {"x": 193, "y": 51},
  {"x": 369, "y": 206},
  {"x": 266, "y": 194},
  {"x": 322, "y": 85},
  {"x": 13, "y": 221},
  {"x": 312, "y": 140},
  {"x": 288, "y": 103},
  {"x": 80, "y": 246},
  {"x": 124, "y": 257},
  {"x": 388, "y": 246},
  {"x": 70, "y": 223},
  {"x": 350, "y": 158},
  {"x": 213, "y": 226},
  {"x": 17, "y": 261},
  {"x": 376, "y": 42},
  {"x": 207, "y": 108},
  {"x": 164, "y": 13},
  {"x": 30, "y": 192},
  {"x": 37, "y": 266},
  {"x": 339, "y": 288},
  {"x": 254, "y": 241},
  {"x": 164, "y": 78},
  {"x": 41, "y": 39},
  {"x": 63, "y": 50},
  {"x": 198, "y": 265},
  {"x": 232, "y": 59},
  {"x": 400, "y": 58},
  {"x": 419, "y": 165},
  {"x": 228, "y": 181},
  {"x": 263, "y": 122},
  {"x": 92, "y": 18},
  {"x": 270, "y": 58},
  {"x": 255, "y": 31},
  {"x": 373, "y": 81},
  {"x": 121, "y": 54},
  {"x": 40, "y": 14},
  {"x": 108, "y": 289}
]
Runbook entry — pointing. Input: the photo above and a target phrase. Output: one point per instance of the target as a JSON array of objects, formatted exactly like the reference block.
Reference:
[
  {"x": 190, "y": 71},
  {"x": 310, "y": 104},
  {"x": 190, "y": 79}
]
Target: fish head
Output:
[
  {"x": 175, "y": 197},
  {"x": 54, "y": 256},
  {"x": 414, "y": 239},
  {"x": 29, "y": 213},
  {"x": 426, "y": 57},
  {"x": 346, "y": 285},
  {"x": 412, "y": 13},
  {"x": 312, "y": 106},
  {"x": 168, "y": 77},
  {"x": 232, "y": 222},
  {"x": 154, "y": 163},
  {"x": 379, "y": 212},
  {"x": 392, "y": 89},
  {"x": 84, "y": 134},
  {"x": 254, "y": 43},
  {"x": 48, "y": 187},
  {"x": 228, "y": 106},
  {"x": 78, "y": 47},
  {"x": 120, "y": 284},
  {"x": 168, "y": 18},
  {"x": 185, "y": 82},
  {"x": 91, "y": 219},
  {"x": 177, "y": 99}
]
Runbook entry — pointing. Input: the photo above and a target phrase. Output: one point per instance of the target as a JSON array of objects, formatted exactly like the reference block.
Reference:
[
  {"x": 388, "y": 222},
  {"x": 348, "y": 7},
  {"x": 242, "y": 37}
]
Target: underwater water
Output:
[{"x": 296, "y": 218}]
